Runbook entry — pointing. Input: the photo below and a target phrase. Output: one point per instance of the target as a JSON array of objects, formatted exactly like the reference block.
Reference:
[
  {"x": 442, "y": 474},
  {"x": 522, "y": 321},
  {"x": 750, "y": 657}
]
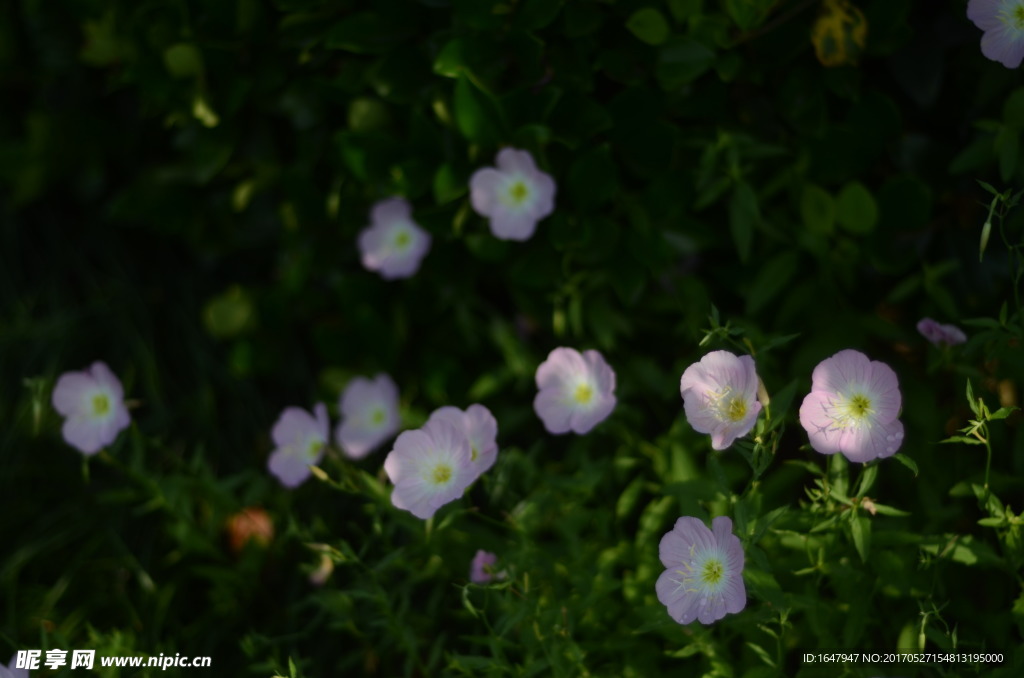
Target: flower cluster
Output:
[{"x": 434, "y": 465}]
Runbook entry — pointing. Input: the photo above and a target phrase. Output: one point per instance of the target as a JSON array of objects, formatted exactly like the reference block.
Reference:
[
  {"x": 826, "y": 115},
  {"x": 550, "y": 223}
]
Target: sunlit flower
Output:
[
  {"x": 704, "y": 575},
  {"x": 852, "y": 408},
  {"x": 369, "y": 415},
  {"x": 515, "y": 195},
  {"x": 576, "y": 392},
  {"x": 429, "y": 467},
  {"x": 301, "y": 441},
  {"x": 1003, "y": 24},
  {"x": 939, "y": 334},
  {"x": 481, "y": 430},
  {"x": 92, "y": 403},
  {"x": 720, "y": 396},
  {"x": 393, "y": 244},
  {"x": 481, "y": 570}
]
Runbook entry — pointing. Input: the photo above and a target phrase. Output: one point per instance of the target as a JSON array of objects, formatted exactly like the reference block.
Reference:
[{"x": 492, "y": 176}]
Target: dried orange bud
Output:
[{"x": 252, "y": 523}]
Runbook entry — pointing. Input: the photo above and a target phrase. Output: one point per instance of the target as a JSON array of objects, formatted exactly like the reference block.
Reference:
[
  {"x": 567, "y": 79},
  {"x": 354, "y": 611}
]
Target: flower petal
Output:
[
  {"x": 508, "y": 225},
  {"x": 819, "y": 424},
  {"x": 288, "y": 467}
]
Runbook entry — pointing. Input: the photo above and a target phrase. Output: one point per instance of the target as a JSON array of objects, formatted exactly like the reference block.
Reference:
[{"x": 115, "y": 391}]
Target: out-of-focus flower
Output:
[
  {"x": 720, "y": 396},
  {"x": 576, "y": 392},
  {"x": 1003, "y": 24},
  {"x": 369, "y": 415},
  {"x": 853, "y": 408},
  {"x": 249, "y": 524},
  {"x": 515, "y": 195},
  {"x": 939, "y": 334},
  {"x": 481, "y": 570},
  {"x": 429, "y": 467},
  {"x": 92, "y": 403},
  {"x": 839, "y": 33},
  {"x": 301, "y": 440},
  {"x": 10, "y": 671},
  {"x": 704, "y": 575},
  {"x": 393, "y": 244},
  {"x": 480, "y": 429}
]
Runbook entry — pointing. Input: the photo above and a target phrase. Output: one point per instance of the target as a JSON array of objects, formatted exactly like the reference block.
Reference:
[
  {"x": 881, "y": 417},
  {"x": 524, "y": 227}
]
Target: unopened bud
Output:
[{"x": 986, "y": 230}]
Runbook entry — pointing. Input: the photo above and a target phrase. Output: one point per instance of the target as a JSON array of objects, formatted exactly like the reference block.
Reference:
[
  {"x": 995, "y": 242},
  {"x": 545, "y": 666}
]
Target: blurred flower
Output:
[
  {"x": 852, "y": 408},
  {"x": 369, "y": 415},
  {"x": 950, "y": 335},
  {"x": 720, "y": 396},
  {"x": 249, "y": 524},
  {"x": 515, "y": 195},
  {"x": 481, "y": 571},
  {"x": 92, "y": 402},
  {"x": 1003, "y": 24},
  {"x": 393, "y": 244},
  {"x": 576, "y": 392},
  {"x": 429, "y": 467},
  {"x": 301, "y": 441},
  {"x": 480, "y": 429},
  {"x": 839, "y": 33},
  {"x": 10, "y": 671},
  {"x": 704, "y": 579}
]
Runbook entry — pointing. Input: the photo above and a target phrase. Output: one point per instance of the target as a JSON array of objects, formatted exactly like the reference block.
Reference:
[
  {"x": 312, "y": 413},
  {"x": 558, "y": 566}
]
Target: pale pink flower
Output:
[
  {"x": 481, "y": 430},
  {"x": 481, "y": 570},
  {"x": 720, "y": 396},
  {"x": 92, "y": 403},
  {"x": 301, "y": 440},
  {"x": 515, "y": 195},
  {"x": 939, "y": 334},
  {"x": 1003, "y": 24},
  {"x": 369, "y": 415},
  {"x": 575, "y": 392},
  {"x": 429, "y": 468},
  {"x": 853, "y": 408},
  {"x": 393, "y": 244}
]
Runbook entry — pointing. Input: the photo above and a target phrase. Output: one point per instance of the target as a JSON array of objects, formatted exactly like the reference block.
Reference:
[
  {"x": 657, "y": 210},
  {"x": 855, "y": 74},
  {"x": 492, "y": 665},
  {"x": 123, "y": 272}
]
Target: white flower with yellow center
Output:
[
  {"x": 429, "y": 467},
  {"x": 720, "y": 396},
  {"x": 514, "y": 196},
  {"x": 575, "y": 391},
  {"x": 92, "y": 402},
  {"x": 481, "y": 430},
  {"x": 369, "y": 415},
  {"x": 1003, "y": 24},
  {"x": 301, "y": 439},
  {"x": 853, "y": 408},
  {"x": 393, "y": 245}
]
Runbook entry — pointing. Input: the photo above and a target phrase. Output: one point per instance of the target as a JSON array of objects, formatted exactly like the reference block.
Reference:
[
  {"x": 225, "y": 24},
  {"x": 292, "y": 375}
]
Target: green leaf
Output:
[
  {"x": 993, "y": 522},
  {"x": 867, "y": 479},
  {"x": 475, "y": 114},
  {"x": 817, "y": 209},
  {"x": 1003, "y": 413},
  {"x": 772, "y": 279},
  {"x": 856, "y": 210},
  {"x": 682, "y": 60},
  {"x": 748, "y": 14},
  {"x": 1013, "y": 109},
  {"x": 183, "y": 60},
  {"x": 367, "y": 33},
  {"x": 744, "y": 216},
  {"x": 962, "y": 439},
  {"x": 449, "y": 184},
  {"x": 860, "y": 530},
  {"x": 890, "y": 511},
  {"x": 649, "y": 25}
]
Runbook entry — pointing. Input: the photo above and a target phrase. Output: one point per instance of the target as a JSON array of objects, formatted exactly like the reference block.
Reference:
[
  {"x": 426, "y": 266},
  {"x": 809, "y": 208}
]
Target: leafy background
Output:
[{"x": 182, "y": 184}]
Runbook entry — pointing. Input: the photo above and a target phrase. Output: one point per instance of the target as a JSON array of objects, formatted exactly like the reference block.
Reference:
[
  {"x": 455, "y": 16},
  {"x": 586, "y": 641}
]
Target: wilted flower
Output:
[
  {"x": 720, "y": 396},
  {"x": 480, "y": 429},
  {"x": 92, "y": 402},
  {"x": 301, "y": 441},
  {"x": 704, "y": 579},
  {"x": 429, "y": 467},
  {"x": 515, "y": 195},
  {"x": 249, "y": 524},
  {"x": 852, "y": 408},
  {"x": 939, "y": 334},
  {"x": 576, "y": 392},
  {"x": 481, "y": 570},
  {"x": 1003, "y": 24},
  {"x": 393, "y": 244},
  {"x": 369, "y": 415}
]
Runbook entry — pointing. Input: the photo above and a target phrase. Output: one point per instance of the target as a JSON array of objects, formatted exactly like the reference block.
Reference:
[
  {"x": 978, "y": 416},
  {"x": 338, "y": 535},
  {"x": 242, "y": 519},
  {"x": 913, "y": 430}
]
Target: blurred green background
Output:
[{"x": 181, "y": 187}]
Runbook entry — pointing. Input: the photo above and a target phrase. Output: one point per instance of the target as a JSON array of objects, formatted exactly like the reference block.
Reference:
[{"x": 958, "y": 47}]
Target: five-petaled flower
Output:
[
  {"x": 704, "y": 575},
  {"x": 853, "y": 408},
  {"x": 369, "y": 415},
  {"x": 301, "y": 440},
  {"x": 515, "y": 195},
  {"x": 481, "y": 570},
  {"x": 481, "y": 430},
  {"x": 429, "y": 467},
  {"x": 1003, "y": 24},
  {"x": 720, "y": 396},
  {"x": 576, "y": 392},
  {"x": 939, "y": 334},
  {"x": 92, "y": 402},
  {"x": 393, "y": 244}
]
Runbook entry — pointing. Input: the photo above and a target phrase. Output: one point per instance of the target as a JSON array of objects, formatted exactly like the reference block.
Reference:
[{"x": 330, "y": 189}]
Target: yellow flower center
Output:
[
  {"x": 1014, "y": 17},
  {"x": 713, "y": 572},
  {"x": 472, "y": 454},
  {"x": 518, "y": 192},
  {"x": 100, "y": 404},
  {"x": 737, "y": 409},
  {"x": 377, "y": 417},
  {"x": 584, "y": 393},
  {"x": 313, "y": 449},
  {"x": 403, "y": 239},
  {"x": 859, "y": 406},
  {"x": 442, "y": 474}
]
